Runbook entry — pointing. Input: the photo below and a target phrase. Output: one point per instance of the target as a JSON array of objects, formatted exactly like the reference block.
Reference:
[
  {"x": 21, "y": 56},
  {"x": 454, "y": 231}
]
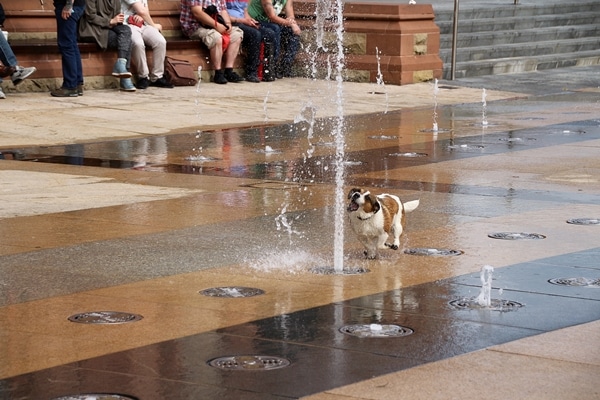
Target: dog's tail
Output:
[{"x": 411, "y": 205}]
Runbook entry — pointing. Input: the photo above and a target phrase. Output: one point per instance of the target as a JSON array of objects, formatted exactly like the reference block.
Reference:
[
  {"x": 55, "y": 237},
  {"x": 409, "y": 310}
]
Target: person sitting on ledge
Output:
[
  {"x": 144, "y": 31},
  {"x": 102, "y": 23},
  {"x": 209, "y": 21},
  {"x": 278, "y": 15},
  {"x": 254, "y": 37},
  {"x": 9, "y": 66}
]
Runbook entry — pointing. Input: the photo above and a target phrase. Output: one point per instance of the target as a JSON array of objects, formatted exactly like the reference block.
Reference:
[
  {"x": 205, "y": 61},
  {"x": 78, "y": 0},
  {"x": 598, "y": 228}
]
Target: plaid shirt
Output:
[{"x": 189, "y": 24}]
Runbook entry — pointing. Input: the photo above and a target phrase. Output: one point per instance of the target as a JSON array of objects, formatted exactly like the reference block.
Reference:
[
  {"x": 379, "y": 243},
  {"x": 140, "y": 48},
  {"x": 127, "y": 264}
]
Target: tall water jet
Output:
[{"x": 339, "y": 217}]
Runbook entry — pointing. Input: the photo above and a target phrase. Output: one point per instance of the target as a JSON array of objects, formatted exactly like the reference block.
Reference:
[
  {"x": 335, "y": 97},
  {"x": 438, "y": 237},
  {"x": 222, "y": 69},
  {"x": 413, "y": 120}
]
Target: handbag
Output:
[{"x": 179, "y": 72}]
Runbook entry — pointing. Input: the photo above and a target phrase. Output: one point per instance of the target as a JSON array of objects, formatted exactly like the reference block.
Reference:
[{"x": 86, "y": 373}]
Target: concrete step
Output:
[
  {"x": 523, "y": 36},
  {"x": 497, "y": 10},
  {"x": 523, "y": 64},
  {"x": 519, "y": 23},
  {"x": 501, "y": 38},
  {"x": 532, "y": 49}
]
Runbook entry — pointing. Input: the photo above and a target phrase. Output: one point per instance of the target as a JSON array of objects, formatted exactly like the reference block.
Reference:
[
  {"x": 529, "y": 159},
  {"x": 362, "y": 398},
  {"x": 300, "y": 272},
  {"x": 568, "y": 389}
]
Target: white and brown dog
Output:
[{"x": 375, "y": 218}]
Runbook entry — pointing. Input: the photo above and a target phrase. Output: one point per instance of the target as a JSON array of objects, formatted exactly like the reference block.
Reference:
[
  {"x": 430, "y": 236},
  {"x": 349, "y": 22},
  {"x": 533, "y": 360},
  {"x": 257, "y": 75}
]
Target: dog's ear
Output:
[{"x": 352, "y": 191}]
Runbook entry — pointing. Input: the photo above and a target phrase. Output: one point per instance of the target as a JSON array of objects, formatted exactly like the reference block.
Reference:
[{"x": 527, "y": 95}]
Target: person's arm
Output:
[
  {"x": 143, "y": 13},
  {"x": 270, "y": 12},
  {"x": 288, "y": 10},
  {"x": 92, "y": 16},
  {"x": 207, "y": 20}
]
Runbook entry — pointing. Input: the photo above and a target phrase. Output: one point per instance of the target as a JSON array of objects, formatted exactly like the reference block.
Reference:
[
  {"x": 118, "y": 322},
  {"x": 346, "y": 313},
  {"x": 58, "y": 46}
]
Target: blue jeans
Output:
[
  {"x": 66, "y": 38},
  {"x": 283, "y": 37},
  {"x": 6, "y": 54},
  {"x": 252, "y": 39}
]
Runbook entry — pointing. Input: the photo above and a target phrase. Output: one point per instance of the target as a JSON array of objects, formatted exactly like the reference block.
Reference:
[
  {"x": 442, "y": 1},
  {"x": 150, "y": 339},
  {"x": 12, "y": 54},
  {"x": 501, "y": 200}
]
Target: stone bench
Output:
[{"x": 400, "y": 42}]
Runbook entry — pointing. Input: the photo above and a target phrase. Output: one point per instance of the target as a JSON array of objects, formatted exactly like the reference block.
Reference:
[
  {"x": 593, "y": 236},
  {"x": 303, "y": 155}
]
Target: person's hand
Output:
[
  {"x": 251, "y": 22},
  {"x": 158, "y": 26},
  {"x": 295, "y": 28},
  {"x": 66, "y": 12},
  {"x": 117, "y": 19}
]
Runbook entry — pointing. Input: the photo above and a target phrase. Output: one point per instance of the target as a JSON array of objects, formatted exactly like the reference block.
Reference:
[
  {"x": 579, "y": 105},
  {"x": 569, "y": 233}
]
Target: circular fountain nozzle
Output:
[{"x": 249, "y": 362}]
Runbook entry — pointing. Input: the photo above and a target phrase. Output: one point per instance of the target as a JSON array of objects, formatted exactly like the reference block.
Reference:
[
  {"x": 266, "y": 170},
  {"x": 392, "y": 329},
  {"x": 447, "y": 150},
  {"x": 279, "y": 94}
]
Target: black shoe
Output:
[
  {"x": 162, "y": 82},
  {"x": 64, "y": 92},
  {"x": 252, "y": 78},
  {"x": 219, "y": 77},
  {"x": 142, "y": 83},
  {"x": 233, "y": 77}
]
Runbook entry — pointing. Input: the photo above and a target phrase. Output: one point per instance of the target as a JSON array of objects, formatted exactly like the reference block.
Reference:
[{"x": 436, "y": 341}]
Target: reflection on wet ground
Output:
[{"x": 303, "y": 151}]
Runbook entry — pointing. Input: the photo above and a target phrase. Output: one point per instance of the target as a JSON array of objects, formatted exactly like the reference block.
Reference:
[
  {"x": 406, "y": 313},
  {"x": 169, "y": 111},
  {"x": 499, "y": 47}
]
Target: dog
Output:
[{"x": 374, "y": 219}]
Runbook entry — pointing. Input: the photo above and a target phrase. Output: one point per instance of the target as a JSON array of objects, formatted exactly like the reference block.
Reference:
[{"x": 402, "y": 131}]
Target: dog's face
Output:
[{"x": 361, "y": 198}]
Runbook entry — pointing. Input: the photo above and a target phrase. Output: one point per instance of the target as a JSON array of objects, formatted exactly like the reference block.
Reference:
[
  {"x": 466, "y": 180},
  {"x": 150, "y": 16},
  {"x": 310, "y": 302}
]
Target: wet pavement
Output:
[{"x": 139, "y": 203}]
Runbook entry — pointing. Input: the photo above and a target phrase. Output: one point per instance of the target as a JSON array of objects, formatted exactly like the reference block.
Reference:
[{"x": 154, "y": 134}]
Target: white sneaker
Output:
[
  {"x": 2, "y": 95},
  {"x": 21, "y": 73}
]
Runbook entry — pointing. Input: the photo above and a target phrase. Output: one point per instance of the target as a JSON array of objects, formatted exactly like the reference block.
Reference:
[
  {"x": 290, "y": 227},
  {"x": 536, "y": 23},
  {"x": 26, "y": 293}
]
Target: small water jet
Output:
[
  {"x": 484, "y": 300},
  {"x": 485, "y": 295},
  {"x": 484, "y": 121},
  {"x": 436, "y": 90}
]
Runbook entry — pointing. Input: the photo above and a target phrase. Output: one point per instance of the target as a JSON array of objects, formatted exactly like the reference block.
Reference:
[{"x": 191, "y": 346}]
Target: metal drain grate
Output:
[
  {"x": 432, "y": 252},
  {"x": 232, "y": 291},
  {"x": 104, "y": 317},
  {"x": 249, "y": 363},
  {"x": 515, "y": 235},
  {"x": 376, "y": 331},
  {"x": 593, "y": 283},
  {"x": 496, "y": 305},
  {"x": 345, "y": 271},
  {"x": 584, "y": 221},
  {"x": 95, "y": 396}
]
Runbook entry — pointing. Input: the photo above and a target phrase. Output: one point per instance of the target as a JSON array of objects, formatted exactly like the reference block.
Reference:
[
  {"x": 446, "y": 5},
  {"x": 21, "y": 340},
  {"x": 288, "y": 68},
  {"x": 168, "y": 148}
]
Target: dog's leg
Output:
[
  {"x": 371, "y": 246},
  {"x": 395, "y": 232}
]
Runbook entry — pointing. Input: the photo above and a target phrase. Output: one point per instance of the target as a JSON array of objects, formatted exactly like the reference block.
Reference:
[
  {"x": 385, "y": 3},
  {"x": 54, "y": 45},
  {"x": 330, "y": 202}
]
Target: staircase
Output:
[{"x": 511, "y": 38}]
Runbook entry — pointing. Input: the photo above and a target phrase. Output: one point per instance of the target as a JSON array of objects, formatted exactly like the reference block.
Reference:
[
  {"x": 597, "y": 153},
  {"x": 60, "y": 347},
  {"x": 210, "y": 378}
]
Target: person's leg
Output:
[
  {"x": 138, "y": 52},
  {"x": 270, "y": 38},
  {"x": 157, "y": 42},
  {"x": 291, "y": 44},
  {"x": 231, "y": 53},
  {"x": 212, "y": 39},
  {"x": 251, "y": 43},
  {"x": 7, "y": 56},
  {"x": 66, "y": 39},
  {"x": 119, "y": 37}
]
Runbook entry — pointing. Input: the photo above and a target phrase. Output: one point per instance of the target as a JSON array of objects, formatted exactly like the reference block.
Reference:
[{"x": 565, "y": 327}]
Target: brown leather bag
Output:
[{"x": 179, "y": 72}]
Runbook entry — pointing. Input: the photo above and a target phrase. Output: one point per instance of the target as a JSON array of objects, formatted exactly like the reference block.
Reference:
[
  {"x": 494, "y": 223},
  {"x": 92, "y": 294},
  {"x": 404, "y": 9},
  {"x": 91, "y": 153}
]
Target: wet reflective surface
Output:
[{"x": 226, "y": 212}]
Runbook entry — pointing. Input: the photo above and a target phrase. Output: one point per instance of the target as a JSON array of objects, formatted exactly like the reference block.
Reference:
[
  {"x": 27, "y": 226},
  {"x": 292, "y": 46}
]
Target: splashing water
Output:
[
  {"x": 436, "y": 90},
  {"x": 485, "y": 295},
  {"x": 265, "y": 102}
]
